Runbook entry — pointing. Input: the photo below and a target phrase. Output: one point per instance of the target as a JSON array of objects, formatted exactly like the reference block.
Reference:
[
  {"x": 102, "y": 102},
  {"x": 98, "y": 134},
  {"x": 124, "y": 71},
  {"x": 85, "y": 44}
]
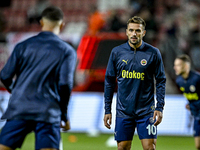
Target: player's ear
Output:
[
  {"x": 126, "y": 31},
  {"x": 62, "y": 25},
  {"x": 41, "y": 22},
  {"x": 144, "y": 33},
  {"x": 187, "y": 65}
]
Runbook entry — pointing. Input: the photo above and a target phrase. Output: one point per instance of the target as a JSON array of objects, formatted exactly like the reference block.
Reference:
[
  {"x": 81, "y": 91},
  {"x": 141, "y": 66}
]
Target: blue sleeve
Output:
[
  {"x": 66, "y": 78},
  {"x": 10, "y": 68},
  {"x": 160, "y": 82},
  {"x": 109, "y": 85}
]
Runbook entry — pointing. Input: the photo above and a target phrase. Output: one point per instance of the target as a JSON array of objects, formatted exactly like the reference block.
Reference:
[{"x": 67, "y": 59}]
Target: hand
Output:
[
  {"x": 158, "y": 116},
  {"x": 65, "y": 125},
  {"x": 187, "y": 106},
  {"x": 107, "y": 120}
]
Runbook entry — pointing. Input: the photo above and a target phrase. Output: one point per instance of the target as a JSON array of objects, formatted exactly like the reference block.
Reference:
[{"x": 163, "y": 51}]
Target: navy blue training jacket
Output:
[
  {"x": 135, "y": 71},
  {"x": 190, "y": 88},
  {"x": 42, "y": 68}
]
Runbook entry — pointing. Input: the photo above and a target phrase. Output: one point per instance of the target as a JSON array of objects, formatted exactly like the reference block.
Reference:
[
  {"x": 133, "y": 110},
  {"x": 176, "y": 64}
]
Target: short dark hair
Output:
[
  {"x": 137, "y": 20},
  {"x": 52, "y": 13},
  {"x": 184, "y": 58}
]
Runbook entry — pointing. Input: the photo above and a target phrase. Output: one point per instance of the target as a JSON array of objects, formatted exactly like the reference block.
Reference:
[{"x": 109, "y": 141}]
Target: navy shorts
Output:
[
  {"x": 196, "y": 127},
  {"x": 125, "y": 128},
  {"x": 14, "y": 132}
]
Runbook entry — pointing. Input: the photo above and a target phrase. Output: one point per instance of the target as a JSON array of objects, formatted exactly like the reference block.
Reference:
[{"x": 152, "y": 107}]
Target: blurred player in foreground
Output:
[
  {"x": 44, "y": 66},
  {"x": 135, "y": 64},
  {"x": 189, "y": 83}
]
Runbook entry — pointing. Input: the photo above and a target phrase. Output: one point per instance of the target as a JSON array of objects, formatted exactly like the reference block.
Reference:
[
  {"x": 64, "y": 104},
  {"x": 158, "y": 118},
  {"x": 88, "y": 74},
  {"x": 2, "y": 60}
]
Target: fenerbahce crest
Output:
[{"x": 143, "y": 62}]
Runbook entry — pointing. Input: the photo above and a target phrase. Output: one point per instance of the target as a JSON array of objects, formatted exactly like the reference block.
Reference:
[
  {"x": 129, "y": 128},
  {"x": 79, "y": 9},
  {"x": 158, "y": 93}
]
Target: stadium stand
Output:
[{"x": 76, "y": 10}]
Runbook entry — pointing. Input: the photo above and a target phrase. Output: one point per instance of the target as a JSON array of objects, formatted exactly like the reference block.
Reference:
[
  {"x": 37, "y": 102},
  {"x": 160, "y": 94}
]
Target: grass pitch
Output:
[{"x": 81, "y": 141}]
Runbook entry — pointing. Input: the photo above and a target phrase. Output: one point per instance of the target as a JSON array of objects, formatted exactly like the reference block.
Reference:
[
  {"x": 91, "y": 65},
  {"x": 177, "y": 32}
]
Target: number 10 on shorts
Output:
[{"x": 151, "y": 129}]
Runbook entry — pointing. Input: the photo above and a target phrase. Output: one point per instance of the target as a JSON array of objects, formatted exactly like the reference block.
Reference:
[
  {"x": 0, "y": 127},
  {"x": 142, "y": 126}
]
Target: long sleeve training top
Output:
[
  {"x": 39, "y": 75},
  {"x": 135, "y": 71},
  {"x": 190, "y": 88}
]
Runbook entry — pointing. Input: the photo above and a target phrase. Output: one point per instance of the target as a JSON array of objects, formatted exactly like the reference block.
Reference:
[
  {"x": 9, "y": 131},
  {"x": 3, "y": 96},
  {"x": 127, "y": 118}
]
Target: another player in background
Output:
[
  {"x": 135, "y": 64},
  {"x": 188, "y": 82},
  {"x": 44, "y": 67}
]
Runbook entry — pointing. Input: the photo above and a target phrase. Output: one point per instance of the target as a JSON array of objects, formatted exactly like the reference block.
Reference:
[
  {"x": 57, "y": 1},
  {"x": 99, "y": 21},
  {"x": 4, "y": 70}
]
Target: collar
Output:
[
  {"x": 139, "y": 48},
  {"x": 47, "y": 33},
  {"x": 189, "y": 74}
]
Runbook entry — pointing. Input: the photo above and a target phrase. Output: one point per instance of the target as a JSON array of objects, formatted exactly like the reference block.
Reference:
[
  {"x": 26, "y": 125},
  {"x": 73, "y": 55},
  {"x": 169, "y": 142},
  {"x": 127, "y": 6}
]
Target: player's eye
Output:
[{"x": 138, "y": 31}]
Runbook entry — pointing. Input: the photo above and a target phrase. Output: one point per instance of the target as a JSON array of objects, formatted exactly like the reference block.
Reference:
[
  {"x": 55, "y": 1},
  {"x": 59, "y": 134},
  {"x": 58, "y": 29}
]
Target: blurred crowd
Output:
[{"x": 172, "y": 26}]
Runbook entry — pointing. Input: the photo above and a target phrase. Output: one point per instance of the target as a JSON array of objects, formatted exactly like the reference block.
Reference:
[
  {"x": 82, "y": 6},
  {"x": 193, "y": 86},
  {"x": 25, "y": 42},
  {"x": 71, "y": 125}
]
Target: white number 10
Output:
[{"x": 151, "y": 129}]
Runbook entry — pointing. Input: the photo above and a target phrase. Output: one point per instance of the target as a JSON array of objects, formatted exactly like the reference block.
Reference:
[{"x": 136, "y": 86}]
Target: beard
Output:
[
  {"x": 180, "y": 73},
  {"x": 134, "y": 42}
]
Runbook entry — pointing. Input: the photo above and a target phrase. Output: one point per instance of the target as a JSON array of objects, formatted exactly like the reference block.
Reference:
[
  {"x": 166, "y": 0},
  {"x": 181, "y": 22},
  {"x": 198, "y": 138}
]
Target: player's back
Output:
[
  {"x": 40, "y": 58},
  {"x": 35, "y": 92}
]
